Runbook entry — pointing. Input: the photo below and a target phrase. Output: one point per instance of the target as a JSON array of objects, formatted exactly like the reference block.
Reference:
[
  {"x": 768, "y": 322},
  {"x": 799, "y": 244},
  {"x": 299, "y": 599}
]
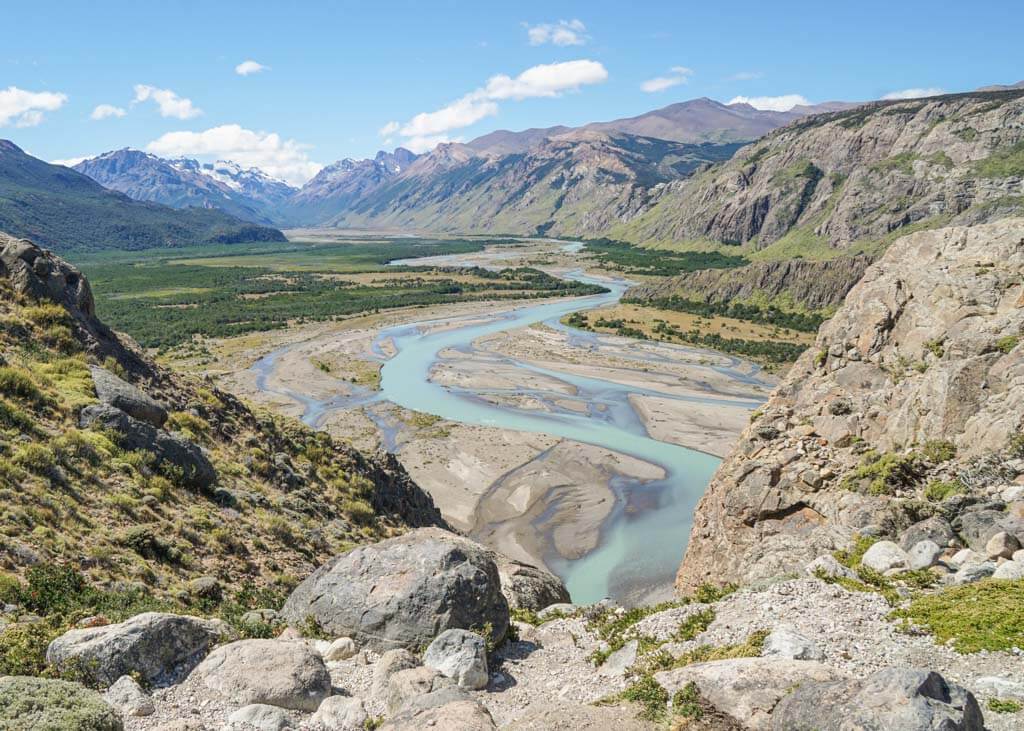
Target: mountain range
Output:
[{"x": 63, "y": 209}]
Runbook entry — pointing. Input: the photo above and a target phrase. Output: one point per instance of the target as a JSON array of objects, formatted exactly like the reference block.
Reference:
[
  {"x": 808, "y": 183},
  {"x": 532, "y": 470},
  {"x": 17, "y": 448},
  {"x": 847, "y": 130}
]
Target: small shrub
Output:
[
  {"x": 981, "y": 616},
  {"x": 884, "y": 473},
  {"x": 19, "y": 384},
  {"x": 1003, "y": 705},
  {"x": 13, "y": 417},
  {"x": 652, "y": 698},
  {"x": 686, "y": 702},
  {"x": 936, "y": 347},
  {"x": 939, "y": 490},
  {"x": 35, "y": 457},
  {"x": 10, "y": 589},
  {"x": 938, "y": 451},
  {"x": 360, "y": 511},
  {"x": 1006, "y": 344}
]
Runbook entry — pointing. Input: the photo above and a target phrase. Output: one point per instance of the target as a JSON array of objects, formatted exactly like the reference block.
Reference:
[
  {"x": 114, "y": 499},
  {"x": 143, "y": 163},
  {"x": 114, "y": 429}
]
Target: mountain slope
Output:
[
  {"x": 846, "y": 181},
  {"x": 148, "y": 477},
  {"x": 909, "y": 406},
  {"x": 63, "y": 209},
  {"x": 561, "y": 186}
]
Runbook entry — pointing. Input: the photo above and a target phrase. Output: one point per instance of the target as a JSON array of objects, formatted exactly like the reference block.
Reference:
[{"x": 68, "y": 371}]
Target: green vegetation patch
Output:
[
  {"x": 982, "y": 616},
  {"x": 1004, "y": 163},
  {"x": 768, "y": 315},
  {"x": 661, "y": 262}
]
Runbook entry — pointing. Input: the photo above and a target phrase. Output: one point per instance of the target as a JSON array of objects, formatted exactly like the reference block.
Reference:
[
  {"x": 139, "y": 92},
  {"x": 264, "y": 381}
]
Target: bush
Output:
[
  {"x": 938, "y": 451},
  {"x": 939, "y": 490},
  {"x": 885, "y": 473},
  {"x": 19, "y": 384},
  {"x": 35, "y": 457},
  {"x": 1003, "y": 705},
  {"x": 982, "y": 616}
]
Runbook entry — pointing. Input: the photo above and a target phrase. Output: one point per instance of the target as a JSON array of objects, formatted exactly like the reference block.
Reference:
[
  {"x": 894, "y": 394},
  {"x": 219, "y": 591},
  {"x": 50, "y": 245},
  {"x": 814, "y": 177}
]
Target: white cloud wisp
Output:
[
  {"x": 169, "y": 103},
  {"x": 27, "y": 108},
  {"x": 249, "y": 67},
  {"x": 105, "y": 111},
  {"x": 915, "y": 93},
  {"x": 679, "y": 75},
  {"x": 771, "y": 103},
  {"x": 563, "y": 33}
]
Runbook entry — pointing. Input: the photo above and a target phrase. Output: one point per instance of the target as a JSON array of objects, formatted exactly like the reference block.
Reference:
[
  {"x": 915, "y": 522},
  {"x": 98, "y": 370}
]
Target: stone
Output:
[
  {"x": 892, "y": 698},
  {"x": 1012, "y": 493},
  {"x": 460, "y": 655},
  {"x": 129, "y": 698},
  {"x": 450, "y": 709},
  {"x": 406, "y": 684},
  {"x": 1009, "y": 570},
  {"x": 196, "y": 470},
  {"x": 924, "y": 554},
  {"x": 528, "y": 587},
  {"x": 620, "y": 661},
  {"x": 978, "y": 526},
  {"x": 115, "y": 391},
  {"x": 745, "y": 689},
  {"x": 964, "y": 557},
  {"x": 403, "y": 591},
  {"x": 1001, "y": 545},
  {"x": 272, "y": 672},
  {"x": 554, "y": 611},
  {"x": 341, "y": 649},
  {"x": 31, "y": 704},
  {"x": 390, "y": 663},
  {"x": 260, "y": 616},
  {"x": 936, "y": 529},
  {"x": 784, "y": 641},
  {"x": 341, "y": 713},
  {"x": 1000, "y": 687},
  {"x": 578, "y": 717},
  {"x": 261, "y": 717},
  {"x": 206, "y": 587},
  {"x": 829, "y": 566},
  {"x": 969, "y": 573},
  {"x": 1018, "y": 556},
  {"x": 155, "y": 647},
  {"x": 884, "y": 556}
]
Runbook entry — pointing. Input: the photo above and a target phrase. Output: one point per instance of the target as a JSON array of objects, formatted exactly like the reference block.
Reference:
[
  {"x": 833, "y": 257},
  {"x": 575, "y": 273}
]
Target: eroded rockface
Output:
[{"x": 924, "y": 349}]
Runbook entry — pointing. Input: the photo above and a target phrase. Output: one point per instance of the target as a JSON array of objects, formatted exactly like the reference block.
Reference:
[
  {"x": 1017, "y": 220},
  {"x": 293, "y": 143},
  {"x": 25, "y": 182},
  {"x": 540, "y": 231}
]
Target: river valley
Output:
[{"x": 583, "y": 452}]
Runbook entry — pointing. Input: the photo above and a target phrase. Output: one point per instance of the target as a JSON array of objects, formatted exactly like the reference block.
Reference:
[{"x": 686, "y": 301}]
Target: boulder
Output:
[
  {"x": 784, "y": 641},
  {"x": 451, "y": 709},
  {"x": 461, "y": 656},
  {"x": 390, "y": 663},
  {"x": 936, "y": 529},
  {"x": 892, "y": 698},
  {"x": 406, "y": 684},
  {"x": 963, "y": 557},
  {"x": 403, "y": 591},
  {"x": 260, "y": 717},
  {"x": 620, "y": 661},
  {"x": 746, "y": 689},
  {"x": 924, "y": 554},
  {"x": 969, "y": 573},
  {"x": 341, "y": 649},
  {"x": 885, "y": 556},
  {"x": 114, "y": 391},
  {"x": 978, "y": 526},
  {"x": 1009, "y": 570},
  {"x": 196, "y": 470},
  {"x": 1001, "y": 545},
  {"x": 554, "y": 611},
  {"x": 341, "y": 713},
  {"x": 827, "y": 565},
  {"x": 32, "y": 704},
  {"x": 272, "y": 672},
  {"x": 528, "y": 587},
  {"x": 578, "y": 717},
  {"x": 1000, "y": 687},
  {"x": 129, "y": 698},
  {"x": 155, "y": 647}
]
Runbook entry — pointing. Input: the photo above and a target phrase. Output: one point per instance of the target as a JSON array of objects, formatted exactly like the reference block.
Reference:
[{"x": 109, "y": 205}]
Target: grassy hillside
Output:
[{"x": 65, "y": 210}]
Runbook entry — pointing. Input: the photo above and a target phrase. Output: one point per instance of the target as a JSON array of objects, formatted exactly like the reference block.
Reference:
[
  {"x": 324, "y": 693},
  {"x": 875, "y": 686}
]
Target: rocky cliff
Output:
[{"x": 909, "y": 406}]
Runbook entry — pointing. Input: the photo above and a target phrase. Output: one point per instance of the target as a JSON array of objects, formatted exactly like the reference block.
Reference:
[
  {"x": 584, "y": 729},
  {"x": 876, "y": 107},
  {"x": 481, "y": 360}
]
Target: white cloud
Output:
[
  {"x": 545, "y": 80},
  {"x": 746, "y": 76},
  {"x": 389, "y": 129},
  {"x": 563, "y": 33},
  {"x": 249, "y": 67},
  {"x": 170, "y": 104},
  {"x": 285, "y": 159},
  {"x": 426, "y": 143},
  {"x": 27, "y": 108},
  {"x": 680, "y": 75},
  {"x": 771, "y": 103},
  {"x": 103, "y": 111},
  {"x": 915, "y": 93}
]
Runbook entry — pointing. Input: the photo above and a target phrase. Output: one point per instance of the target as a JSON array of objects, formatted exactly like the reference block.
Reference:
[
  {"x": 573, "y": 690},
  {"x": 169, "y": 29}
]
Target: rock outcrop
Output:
[
  {"x": 924, "y": 351},
  {"x": 404, "y": 591},
  {"x": 155, "y": 647}
]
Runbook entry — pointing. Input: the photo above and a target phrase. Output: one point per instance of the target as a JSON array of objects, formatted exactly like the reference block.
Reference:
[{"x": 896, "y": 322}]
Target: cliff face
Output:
[
  {"x": 925, "y": 349},
  {"x": 816, "y": 285},
  {"x": 851, "y": 178}
]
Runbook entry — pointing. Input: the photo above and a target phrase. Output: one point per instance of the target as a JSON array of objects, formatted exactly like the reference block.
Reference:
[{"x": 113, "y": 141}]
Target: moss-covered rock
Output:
[{"x": 35, "y": 704}]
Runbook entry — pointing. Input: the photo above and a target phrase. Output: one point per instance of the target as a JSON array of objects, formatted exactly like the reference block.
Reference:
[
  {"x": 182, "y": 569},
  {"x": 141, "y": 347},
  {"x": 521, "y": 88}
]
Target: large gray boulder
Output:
[
  {"x": 260, "y": 717},
  {"x": 936, "y": 529},
  {"x": 745, "y": 689},
  {"x": 270, "y": 672},
  {"x": 407, "y": 684},
  {"x": 115, "y": 391},
  {"x": 128, "y": 697},
  {"x": 35, "y": 704},
  {"x": 893, "y": 698},
  {"x": 155, "y": 647},
  {"x": 196, "y": 470},
  {"x": 341, "y": 713},
  {"x": 460, "y": 655},
  {"x": 526, "y": 586},
  {"x": 404, "y": 591},
  {"x": 451, "y": 709}
]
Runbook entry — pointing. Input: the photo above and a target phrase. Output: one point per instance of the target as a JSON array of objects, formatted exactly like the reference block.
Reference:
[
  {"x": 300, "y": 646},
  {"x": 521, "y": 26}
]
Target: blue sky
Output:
[{"x": 344, "y": 79}]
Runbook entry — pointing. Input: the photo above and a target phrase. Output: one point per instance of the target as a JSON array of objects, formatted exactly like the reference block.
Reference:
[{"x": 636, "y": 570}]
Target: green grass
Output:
[
  {"x": 982, "y": 616},
  {"x": 1003, "y": 705},
  {"x": 1002, "y": 163}
]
